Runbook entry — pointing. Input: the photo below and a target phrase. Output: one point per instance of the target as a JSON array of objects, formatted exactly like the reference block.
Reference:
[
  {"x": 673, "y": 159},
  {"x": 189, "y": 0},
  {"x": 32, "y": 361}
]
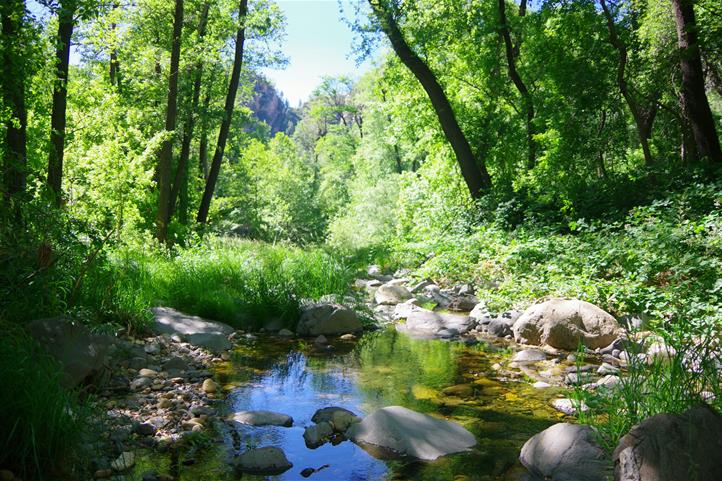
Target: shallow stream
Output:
[{"x": 382, "y": 368}]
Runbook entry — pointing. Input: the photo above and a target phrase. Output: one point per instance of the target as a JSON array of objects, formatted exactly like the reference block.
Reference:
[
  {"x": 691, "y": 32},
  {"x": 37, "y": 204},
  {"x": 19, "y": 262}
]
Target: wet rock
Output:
[
  {"x": 81, "y": 353},
  {"x": 528, "y": 356},
  {"x": 327, "y": 319},
  {"x": 124, "y": 462},
  {"x": 262, "y": 418},
  {"x": 307, "y": 472},
  {"x": 175, "y": 363},
  {"x": 339, "y": 418},
  {"x": 411, "y": 433},
  {"x": 285, "y": 333},
  {"x": 321, "y": 340},
  {"x": 391, "y": 294},
  {"x": 672, "y": 447},
  {"x": 563, "y": 324},
  {"x": 498, "y": 328},
  {"x": 268, "y": 460},
  {"x": 316, "y": 435},
  {"x": 566, "y": 452},
  {"x": 99, "y": 474},
  {"x": 421, "y": 322},
  {"x": 147, "y": 373},
  {"x": 152, "y": 348}
]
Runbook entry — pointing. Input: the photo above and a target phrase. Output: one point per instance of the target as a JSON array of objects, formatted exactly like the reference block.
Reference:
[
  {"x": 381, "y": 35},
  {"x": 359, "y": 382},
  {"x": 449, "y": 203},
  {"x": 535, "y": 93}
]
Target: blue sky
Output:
[{"x": 317, "y": 43}]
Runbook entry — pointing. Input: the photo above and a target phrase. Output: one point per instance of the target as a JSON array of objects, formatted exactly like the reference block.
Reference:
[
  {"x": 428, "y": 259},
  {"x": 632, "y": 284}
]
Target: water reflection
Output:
[{"x": 385, "y": 368}]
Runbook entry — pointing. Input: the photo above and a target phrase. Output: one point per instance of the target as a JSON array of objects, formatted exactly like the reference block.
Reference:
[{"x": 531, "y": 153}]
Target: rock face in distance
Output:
[
  {"x": 563, "y": 324},
  {"x": 672, "y": 447},
  {"x": 262, "y": 418},
  {"x": 269, "y": 460},
  {"x": 566, "y": 452},
  {"x": 410, "y": 433},
  {"x": 81, "y": 353},
  {"x": 329, "y": 319}
]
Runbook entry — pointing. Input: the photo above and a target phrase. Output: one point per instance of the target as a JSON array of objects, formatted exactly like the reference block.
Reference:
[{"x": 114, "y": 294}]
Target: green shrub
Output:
[{"x": 42, "y": 424}]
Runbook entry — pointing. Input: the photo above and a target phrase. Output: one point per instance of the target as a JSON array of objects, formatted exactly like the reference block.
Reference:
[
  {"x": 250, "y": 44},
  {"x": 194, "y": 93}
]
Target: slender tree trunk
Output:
[
  {"x": 203, "y": 142},
  {"x": 13, "y": 97},
  {"x": 180, "y": 183},
  {"x": 512, "y": 52},
  {"x": 643, "y": 117},
  {"x": 476, "y": 176},
  {"x": 58, "y": 119},
  {"x": 693, "y": 90},
  {"x": 228, "y": 114},
  {"x": 114, "y": 72},
  {"x": 166, "y": 152}
]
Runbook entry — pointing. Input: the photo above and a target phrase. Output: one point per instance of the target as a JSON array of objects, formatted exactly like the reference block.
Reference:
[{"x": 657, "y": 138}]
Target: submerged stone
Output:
[
  {"x": 411, "y": 433},
  {"x": 268, "y": 460},
  {"x": 262, "y": 418}
]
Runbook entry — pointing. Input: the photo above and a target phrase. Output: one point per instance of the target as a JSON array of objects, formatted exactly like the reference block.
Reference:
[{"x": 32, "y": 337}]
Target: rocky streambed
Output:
[{"x": 439, "y": 389}]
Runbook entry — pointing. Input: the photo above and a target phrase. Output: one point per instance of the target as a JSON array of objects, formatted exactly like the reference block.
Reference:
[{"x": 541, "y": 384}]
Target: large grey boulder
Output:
[
  {"x": 317, "y": 434},
  {"x": 566, "y": 452},
  {"x": 421, "y": 322},
  {"x": 81, "y": 353},
  {"x": 267, "y": 461},
  {"x": 170, "y": 321},
  {"x": 391, "y": 294},
  {"x": 262, "y": 418},
  {"x": 563, "y": 324},
  {"x": 212, "y": 341},
  {"x": 328, "y": 319},
  {"x": 672, "y": 447},
  {"x": 410, "y": 433}
]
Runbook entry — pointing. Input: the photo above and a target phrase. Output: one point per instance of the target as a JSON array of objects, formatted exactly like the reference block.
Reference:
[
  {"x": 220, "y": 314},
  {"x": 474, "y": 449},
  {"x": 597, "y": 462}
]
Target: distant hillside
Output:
[{"x": 269, "y": 107}]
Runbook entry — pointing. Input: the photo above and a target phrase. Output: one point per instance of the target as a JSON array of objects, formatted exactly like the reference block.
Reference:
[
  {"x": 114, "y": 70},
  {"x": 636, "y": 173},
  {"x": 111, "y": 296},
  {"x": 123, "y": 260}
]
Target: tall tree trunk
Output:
[
  {"x": 228, "y": 114},
  {"x": 512, "y": 51},
  {"x": 180, "y": 182},
  {"x": 58, "y": 119},
  {"x": 643, "y": 116},
  {"x": 114, "y": 72},
  {"x": 476, "y": 176},
  {"x": 166, "y": 152},
  {"x": 693, "y": 90},
  {"x": 13, "y": 96}
]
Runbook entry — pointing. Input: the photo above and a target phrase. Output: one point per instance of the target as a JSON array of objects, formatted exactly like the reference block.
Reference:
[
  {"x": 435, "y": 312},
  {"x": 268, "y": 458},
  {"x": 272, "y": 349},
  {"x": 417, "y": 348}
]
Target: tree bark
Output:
[
  {"x": 58, "y": 117},
  {"x": 693, "y": 89},
  {"x": 512, "y": 51},
  {"x": 166, "y": 152},
  {"x": 202, "y": 216},
  {"x": 13, "y": 95},
  {"x": 114, "y": 72},
  {"x": 180, "y": 183},
  {"x": 643, "y": 116},
  {"x": 476, "y": 176}
]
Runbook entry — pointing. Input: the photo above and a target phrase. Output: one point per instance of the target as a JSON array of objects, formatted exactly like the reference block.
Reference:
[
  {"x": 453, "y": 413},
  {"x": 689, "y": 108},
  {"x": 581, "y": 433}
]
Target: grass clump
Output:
[
  {"x": 42, "y": 424},
  {"x": 240, "y": 282}
]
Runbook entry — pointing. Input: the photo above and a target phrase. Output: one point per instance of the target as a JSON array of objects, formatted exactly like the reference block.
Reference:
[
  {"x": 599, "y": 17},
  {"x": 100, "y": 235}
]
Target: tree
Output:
[
  {"x": 512, "y": 52},
  {"x": 13, "y": 97},
  {"x": 180, "y": 183},
  {"x": 166, "y": 152},
  {"x": 694, "y": 96},
  {"x": 477, "y": 177},
  {"x": 643, "y": 114},
  {"x": 58, "y": 121},
  {"x": 202, "y": 216}
]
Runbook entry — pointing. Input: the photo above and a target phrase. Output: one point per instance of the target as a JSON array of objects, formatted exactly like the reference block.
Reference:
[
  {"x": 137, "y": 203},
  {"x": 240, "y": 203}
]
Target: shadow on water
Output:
[{"x": 383, "y": 368}]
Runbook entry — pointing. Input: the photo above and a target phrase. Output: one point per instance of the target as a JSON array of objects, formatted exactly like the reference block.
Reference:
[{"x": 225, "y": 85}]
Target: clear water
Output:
[{"x": 383, "y": 368}]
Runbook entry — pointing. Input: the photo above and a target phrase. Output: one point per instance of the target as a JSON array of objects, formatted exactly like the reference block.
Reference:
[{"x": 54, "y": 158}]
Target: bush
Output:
[{"x": 42, "y": 425}]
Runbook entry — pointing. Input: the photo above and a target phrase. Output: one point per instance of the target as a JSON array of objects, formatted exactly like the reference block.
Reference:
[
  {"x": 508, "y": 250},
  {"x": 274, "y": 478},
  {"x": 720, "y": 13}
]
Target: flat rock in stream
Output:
[
  {"x": 262, "y": 418},
  {"x": 410, "y": 433},
  {"x": 170, "y": 321},
  {"x": 328, "y": 319}
]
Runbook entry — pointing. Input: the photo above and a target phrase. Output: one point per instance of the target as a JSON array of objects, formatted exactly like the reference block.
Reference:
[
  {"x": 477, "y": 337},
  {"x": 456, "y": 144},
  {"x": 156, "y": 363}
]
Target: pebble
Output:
[
  {"x": 145, "y": 429},
  {"x": 569, "y": 407},
  {"x": 541, "y": 385},
  {"x": 210, "y": 386},
  {"x": 348, "y": 337}
]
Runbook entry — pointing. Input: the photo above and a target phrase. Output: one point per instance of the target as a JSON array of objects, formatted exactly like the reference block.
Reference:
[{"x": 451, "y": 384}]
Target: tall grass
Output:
[
  {"x": 242, "y": 283},
  {"x": 41, "y": 424}
]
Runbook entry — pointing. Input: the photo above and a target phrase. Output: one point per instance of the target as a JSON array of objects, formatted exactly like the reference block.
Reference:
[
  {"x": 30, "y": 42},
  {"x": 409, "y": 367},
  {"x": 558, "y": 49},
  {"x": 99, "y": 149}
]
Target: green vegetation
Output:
[
  {"x": 42, "y": 426},
  {"x": 564, "y": 148}
]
